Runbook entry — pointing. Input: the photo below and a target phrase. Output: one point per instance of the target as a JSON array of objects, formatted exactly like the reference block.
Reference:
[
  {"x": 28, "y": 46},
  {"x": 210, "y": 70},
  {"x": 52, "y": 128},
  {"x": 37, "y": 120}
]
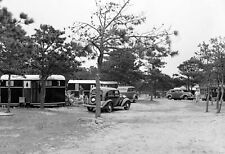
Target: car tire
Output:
[
  {"x": 109, "y": 107},
  {"x": 90, "y": 109},
  {"x": 185, "y": 98},
  {"x": 127, "y": 106},
  {"x": 169, "y": 97}
]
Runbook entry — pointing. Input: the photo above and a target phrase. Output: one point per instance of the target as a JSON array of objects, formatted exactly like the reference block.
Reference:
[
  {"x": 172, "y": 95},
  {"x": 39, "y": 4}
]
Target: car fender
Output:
[
  {"x": 182, "y": 96},
  {"x": 169, "y": 96},
  {"x": 186, "y": 95},
  {"x": 135, "y": 96},
  {"x": 124, "y": 101},
  {"x": 104, "y": 103}
]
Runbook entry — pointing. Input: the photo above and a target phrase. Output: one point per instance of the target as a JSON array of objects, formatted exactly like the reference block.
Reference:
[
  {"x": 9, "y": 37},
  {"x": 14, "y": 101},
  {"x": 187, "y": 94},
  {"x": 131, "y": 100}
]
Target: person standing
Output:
[
  {"x": 197, "y": 95},
  {"x": 81, "y": 93}
]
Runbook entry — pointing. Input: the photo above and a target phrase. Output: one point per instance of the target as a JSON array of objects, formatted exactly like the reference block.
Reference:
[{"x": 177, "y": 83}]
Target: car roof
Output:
[
  {"x": 125, "y": 87},
  {"x": 106, "y": 88},
  {"x": 91, "y": 82},
  {"x": 177, "y": 89}
]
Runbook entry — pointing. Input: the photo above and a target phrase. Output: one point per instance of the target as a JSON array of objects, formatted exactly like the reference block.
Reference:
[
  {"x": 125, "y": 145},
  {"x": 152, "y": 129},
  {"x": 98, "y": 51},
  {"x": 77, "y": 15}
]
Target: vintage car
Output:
[
  {"x": 179, "y": 94},
  {"x": 129, "y": 92},
  {"x": 110, "y": 98}
]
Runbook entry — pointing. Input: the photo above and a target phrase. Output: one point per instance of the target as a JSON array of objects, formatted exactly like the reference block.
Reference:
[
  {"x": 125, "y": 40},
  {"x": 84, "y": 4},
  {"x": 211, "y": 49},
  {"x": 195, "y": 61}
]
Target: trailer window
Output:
[
  {"x": 55, "y": 83},
  {"x": 71, "y": 86},
  {"x": 62, "y": 83},
  {"x": 18, "y": 83},
  {"x": 3, "y": 83}
]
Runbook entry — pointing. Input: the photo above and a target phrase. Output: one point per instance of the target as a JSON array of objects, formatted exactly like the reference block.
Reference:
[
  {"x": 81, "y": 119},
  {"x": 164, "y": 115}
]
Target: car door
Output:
[
  {"x": 114, "y": 96},
  {"x": 172, "y": 93},
  {"x": 117, "y": 100},
  {"x": 179, "y": 93},
  {"x": 176, "y": 94}
]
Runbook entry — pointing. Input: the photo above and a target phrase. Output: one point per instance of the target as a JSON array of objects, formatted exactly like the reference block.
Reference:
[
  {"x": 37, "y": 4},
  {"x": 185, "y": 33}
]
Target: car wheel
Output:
[
  {"x": 127, "y": 106},
  {"x": 109, "y": 108},
  {"x": 90, "y": 109},
  {"x": 169, "y": 97},
  {"x": 185, "y": 98}
]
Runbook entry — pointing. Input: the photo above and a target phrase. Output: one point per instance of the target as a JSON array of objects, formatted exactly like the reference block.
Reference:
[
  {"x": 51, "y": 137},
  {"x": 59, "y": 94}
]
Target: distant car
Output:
[
  {"x": 110, "y": 98},
  {"x": 179, "y": 94},
  {"x": 129, "y": 92}
]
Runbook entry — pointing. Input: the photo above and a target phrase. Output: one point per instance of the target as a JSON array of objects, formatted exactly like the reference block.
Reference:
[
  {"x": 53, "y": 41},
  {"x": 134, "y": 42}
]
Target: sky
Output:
[{"x": 195, "y": 20}]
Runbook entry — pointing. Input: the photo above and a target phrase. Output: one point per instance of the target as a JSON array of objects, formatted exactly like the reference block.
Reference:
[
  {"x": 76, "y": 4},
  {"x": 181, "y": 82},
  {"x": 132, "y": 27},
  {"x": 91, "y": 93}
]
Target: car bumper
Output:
[
  {"x": 90, "y": 105},
  {"x": 191, "y": 97}
]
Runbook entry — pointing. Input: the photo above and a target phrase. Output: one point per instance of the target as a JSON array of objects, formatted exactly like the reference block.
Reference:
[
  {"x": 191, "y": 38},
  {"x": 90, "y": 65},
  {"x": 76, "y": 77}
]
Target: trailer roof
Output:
[
  {"x": 92, "y": 82},
  {"x": 32, "y": 77}
]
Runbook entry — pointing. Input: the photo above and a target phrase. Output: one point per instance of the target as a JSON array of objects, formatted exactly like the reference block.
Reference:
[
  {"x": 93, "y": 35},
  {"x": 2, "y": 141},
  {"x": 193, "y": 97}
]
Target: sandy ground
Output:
[
  {"x": 162, "y": 127},
  {"x": 159, "y": 127}
]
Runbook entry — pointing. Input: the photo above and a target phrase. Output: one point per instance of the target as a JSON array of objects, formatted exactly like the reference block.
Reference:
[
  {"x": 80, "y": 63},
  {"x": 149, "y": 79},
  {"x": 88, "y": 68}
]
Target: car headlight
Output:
[
  {"x": 124, "y": 96},
  {"x": 93, "y": 99}
]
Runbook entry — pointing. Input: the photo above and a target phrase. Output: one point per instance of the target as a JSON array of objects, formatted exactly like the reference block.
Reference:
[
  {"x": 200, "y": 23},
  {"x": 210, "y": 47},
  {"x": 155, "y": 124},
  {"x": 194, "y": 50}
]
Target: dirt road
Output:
[{"x": 162, "y": 127}]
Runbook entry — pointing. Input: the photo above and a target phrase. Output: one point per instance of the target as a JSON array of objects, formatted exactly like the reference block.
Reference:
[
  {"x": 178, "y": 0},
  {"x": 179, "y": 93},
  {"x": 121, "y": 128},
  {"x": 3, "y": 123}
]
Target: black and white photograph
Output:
[{"x": 112, "y": 76}]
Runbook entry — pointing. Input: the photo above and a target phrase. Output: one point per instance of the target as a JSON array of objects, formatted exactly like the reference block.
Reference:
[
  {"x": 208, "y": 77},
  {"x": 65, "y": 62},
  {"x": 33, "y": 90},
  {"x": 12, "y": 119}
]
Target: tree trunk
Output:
[
  {"x": 152, "y": 92},
  {"x": 188, "y": 83},
  {"x": 218, "y": 92},
  {"x": 217, "y": 97},
  {"x": 207, "y": 101},
  {"x": 99, "y": 64},
  {"x": 9, "y": 94},
  {"x": 221, "y": 98},
  {"x": 151, "y": 98},
  {"x": 98, "y": 98},
  {"x": 43, "y": 87}
]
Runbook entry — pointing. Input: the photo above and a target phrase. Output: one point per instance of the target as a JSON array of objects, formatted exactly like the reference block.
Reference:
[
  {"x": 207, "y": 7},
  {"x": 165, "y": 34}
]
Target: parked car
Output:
[
  {"x": 129, "y": 92},
  {"x": 179, "y": 94},
  {"x": 110, "y": 98}
]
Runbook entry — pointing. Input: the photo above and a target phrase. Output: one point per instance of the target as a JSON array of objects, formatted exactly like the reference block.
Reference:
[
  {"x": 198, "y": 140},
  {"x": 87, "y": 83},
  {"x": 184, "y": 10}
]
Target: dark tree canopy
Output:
[
  {"x": 121, "y": 66},
  {"x": 85, "y": 73},
  {"x": 192, "y": 69},
  {"x": 51, "y": 54},
  {"x": 13, "y": 42}
]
